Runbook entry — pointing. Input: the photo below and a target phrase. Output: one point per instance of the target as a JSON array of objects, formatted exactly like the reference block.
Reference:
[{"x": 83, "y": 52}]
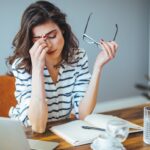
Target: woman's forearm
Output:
[
  {"x": 88, "y": 103},
  {"x": 38, "y": 110}
]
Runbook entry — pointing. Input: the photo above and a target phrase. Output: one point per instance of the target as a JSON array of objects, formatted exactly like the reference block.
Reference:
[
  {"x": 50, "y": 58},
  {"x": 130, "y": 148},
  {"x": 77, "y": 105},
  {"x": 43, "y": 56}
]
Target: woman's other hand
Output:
[{"x": 108, "y": 52}]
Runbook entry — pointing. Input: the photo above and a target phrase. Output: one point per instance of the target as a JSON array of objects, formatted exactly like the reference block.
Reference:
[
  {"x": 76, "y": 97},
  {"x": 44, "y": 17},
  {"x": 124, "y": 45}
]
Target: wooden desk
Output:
[{"x": 133, "y": 142}]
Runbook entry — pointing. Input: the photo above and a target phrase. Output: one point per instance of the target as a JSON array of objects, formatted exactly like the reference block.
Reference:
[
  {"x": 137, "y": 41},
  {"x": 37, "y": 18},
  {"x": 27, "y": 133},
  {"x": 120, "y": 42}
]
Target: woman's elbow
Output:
[
  {"x": 82, "y": 116},
  {"x": 38, "y": 125},
  {"x": 39, "y": 128}
]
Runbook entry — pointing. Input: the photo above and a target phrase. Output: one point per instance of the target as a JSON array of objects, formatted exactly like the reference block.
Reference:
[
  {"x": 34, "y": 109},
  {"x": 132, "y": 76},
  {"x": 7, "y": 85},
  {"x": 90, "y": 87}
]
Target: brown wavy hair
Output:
[{"x": 36, "y": 14}]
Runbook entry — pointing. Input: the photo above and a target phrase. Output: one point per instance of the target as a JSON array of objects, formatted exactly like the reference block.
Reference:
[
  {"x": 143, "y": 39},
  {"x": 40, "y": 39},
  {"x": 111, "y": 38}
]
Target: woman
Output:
[{"x": 52, "y": 75}]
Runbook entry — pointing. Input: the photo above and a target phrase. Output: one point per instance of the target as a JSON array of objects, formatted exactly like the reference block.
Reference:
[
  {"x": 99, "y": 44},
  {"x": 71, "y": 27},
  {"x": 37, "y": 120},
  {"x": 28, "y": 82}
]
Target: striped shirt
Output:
[{"x": 62, "y": 98}]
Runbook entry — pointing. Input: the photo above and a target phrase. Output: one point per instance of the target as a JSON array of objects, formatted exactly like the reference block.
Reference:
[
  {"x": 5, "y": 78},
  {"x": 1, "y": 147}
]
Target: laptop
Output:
[{"x": 12, "y": 137}]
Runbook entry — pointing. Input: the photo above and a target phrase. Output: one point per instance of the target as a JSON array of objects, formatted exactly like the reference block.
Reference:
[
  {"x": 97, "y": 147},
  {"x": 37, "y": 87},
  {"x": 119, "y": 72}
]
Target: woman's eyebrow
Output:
[{"x": 45, "y": 34}]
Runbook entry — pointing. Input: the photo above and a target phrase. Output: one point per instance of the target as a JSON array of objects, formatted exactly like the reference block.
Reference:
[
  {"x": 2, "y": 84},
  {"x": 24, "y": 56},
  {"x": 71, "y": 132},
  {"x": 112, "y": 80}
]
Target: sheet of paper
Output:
[{"x": 42, "y": 145}]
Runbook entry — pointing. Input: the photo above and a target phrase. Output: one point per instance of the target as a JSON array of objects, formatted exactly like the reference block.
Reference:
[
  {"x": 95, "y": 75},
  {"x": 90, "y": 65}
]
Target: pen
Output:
[{"x": 94, "y": 128}]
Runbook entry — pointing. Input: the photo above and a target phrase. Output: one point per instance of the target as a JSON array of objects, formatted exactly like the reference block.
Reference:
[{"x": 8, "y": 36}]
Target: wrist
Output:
[
  {"x": 97, "y": 67},
  {"x": 37, "y": 71}
]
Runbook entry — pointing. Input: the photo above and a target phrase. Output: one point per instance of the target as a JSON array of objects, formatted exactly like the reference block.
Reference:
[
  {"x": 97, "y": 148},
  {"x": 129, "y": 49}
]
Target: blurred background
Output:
[{"x": 133, "y": 18}]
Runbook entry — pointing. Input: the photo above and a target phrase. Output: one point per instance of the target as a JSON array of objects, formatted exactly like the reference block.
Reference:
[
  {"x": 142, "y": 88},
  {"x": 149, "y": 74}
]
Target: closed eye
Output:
[{"x": 51, "y": 36}]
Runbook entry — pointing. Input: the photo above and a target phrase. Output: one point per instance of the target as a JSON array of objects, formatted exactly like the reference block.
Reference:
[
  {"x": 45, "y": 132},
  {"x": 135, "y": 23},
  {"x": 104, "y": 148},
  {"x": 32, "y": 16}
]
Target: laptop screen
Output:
[{"x": 12, "y": 137}]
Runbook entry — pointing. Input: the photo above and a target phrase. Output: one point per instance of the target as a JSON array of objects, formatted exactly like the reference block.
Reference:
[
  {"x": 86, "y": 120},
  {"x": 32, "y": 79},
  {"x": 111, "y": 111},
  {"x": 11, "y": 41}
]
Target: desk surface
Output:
[{"x": 133, "y": 142}]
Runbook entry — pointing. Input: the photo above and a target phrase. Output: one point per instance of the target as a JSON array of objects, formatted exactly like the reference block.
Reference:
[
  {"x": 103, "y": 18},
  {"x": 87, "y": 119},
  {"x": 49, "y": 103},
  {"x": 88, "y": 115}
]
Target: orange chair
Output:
[{"x": 7, "y": 98}]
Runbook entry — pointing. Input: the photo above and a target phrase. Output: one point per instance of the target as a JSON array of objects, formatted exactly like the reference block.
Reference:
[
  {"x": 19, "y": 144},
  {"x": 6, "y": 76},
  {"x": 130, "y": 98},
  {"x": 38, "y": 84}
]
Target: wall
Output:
[{"x": 131, "y": 63}]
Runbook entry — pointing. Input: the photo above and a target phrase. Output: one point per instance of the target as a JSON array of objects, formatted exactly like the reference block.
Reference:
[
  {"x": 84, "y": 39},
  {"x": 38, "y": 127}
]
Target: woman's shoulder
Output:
[
  {"x": 16, "y": 63},
  {"x": 80, "y": 57},
  {"x": 16, "y": 70},
  {"x": 80, "y": 54}
]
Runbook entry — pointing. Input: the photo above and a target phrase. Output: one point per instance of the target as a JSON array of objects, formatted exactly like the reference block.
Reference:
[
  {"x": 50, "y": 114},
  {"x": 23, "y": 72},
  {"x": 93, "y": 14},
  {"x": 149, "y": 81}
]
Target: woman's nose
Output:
[{"x": 49, "y": 43}]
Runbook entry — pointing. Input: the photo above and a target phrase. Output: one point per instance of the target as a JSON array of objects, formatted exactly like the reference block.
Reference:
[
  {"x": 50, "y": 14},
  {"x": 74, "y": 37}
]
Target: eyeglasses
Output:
[{"x": 89, "y": 39}]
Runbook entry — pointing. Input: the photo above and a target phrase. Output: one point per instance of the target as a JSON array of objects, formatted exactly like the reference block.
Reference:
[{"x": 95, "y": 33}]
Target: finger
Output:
[
  {"x": 113, "y": 49},
  {"x": 103, "y": 48},
  {"x": 35, "y": 51},
  {"x": 116, "y": 45},
  {"x": 43, "y": 53},
  {"x": 40, "y": 49},
  {"x": 36, "y": 44},
  {"x": 107, "y": 49}
]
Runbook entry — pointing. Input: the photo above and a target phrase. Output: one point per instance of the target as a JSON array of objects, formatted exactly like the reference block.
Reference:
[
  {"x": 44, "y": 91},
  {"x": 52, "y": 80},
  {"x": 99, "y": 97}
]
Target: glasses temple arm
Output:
[
  {"x": 87, "y": 22},
  {"x": 85, "y": 35},
  {"x": 115, "y": 33}
]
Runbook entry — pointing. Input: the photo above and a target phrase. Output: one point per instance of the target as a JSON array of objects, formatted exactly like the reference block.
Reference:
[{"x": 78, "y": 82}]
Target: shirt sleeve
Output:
[
  {"x": 22, "y": 94},
  {"x": 83, "y": 77}
]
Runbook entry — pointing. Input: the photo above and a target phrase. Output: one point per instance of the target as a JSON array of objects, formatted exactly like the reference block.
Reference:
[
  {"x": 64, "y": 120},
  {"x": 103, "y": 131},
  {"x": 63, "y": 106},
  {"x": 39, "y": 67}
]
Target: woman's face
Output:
[{"x": 53, "y": 37}]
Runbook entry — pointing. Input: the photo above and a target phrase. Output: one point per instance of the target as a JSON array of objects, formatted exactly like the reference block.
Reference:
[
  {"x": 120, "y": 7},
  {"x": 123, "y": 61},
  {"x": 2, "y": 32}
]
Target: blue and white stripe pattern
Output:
[{"x": 61, "y": 97}]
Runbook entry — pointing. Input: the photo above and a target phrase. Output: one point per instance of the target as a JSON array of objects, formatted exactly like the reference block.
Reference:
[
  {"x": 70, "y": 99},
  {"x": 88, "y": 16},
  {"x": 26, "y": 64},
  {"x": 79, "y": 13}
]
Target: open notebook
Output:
[{"x": 74, "y": 133}]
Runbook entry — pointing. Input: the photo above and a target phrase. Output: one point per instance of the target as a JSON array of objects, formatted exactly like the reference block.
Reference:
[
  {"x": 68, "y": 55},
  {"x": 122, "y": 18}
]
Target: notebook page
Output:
[
  {"x": 73, "y": 132},
  {"x": 100, "y": 120}
]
